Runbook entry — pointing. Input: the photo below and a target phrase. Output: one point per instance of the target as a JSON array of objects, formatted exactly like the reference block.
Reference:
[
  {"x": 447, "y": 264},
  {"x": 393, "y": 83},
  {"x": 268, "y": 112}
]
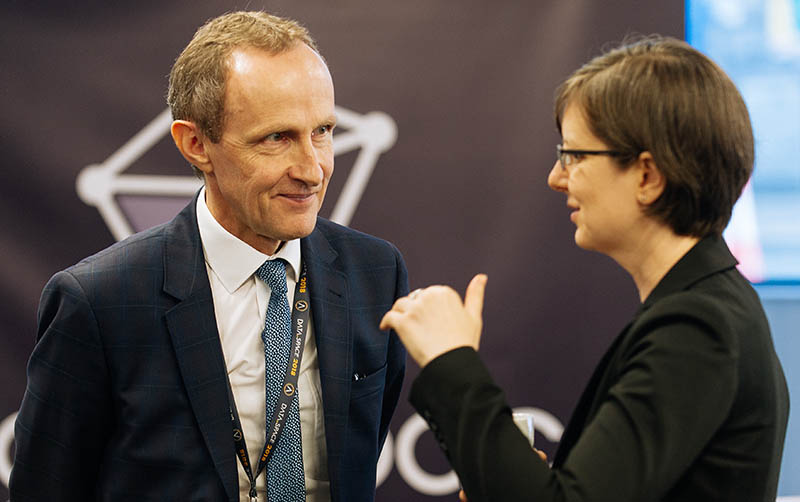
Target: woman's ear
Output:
[{"x": 651, "y": 181}]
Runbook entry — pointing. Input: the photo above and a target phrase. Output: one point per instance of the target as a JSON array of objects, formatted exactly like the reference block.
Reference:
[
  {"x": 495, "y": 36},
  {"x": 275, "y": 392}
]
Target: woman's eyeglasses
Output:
[{"x": 568, "y": 157}]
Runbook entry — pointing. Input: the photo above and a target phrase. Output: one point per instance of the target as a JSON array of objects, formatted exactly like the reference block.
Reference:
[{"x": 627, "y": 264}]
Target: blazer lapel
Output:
[
  {"x": 587, "y": 402},
  {"x": 709, "y": 256},
  {"x": 329, "y": 309},
  {"x": 193, "y": 328}
]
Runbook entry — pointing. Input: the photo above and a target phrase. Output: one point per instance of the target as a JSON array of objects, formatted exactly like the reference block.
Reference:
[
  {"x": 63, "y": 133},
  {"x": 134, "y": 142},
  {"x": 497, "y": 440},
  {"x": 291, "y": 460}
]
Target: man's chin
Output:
[{"x": 298, "y": 231}]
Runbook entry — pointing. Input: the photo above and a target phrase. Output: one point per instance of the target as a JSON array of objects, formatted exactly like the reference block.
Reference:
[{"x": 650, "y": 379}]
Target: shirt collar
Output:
[{"x": 230, "y": 258}]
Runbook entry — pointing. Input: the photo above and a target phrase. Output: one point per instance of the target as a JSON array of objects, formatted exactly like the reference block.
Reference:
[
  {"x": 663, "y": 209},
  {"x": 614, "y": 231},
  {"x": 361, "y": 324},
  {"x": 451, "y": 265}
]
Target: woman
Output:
[{"x": 690, "y": 402}]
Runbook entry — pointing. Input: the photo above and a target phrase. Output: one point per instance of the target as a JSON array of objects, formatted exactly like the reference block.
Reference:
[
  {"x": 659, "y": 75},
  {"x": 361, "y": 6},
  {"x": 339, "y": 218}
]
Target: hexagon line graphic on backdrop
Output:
[{"x": 105, "y": 185}]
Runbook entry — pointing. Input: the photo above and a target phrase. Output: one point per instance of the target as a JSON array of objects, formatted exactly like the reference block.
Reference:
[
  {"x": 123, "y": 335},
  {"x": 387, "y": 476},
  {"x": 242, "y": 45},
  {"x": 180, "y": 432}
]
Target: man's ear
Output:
[
  {"x": 191, "y": 143},
  {"x": 651, "y": 181}
]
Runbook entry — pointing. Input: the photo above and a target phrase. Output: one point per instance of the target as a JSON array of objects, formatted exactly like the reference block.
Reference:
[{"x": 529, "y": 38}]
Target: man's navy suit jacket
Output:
[{"x": 127, "y": 391}]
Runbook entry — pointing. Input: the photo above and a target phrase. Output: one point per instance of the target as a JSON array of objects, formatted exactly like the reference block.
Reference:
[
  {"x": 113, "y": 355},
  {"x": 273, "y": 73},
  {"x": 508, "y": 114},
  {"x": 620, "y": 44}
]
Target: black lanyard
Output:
[{"x": 300, "y": 320}]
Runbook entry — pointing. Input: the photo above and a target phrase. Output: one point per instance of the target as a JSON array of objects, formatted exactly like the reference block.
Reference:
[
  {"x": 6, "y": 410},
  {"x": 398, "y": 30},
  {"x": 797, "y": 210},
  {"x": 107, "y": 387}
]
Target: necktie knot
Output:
[{"x": 273, "y": 272}]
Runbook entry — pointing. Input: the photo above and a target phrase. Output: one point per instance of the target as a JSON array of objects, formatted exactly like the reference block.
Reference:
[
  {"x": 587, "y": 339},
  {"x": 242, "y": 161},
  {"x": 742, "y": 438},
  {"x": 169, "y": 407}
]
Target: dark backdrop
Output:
[{"x": 469, "y": 85}]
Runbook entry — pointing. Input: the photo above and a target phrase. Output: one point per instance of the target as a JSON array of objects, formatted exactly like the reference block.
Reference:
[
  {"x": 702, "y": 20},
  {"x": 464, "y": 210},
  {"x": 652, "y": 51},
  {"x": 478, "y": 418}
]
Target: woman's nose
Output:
[{"x": 557, "y": 179}]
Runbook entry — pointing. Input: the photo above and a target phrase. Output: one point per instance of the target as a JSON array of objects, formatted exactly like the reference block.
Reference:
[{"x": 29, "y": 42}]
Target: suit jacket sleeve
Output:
[
  {"x": 64, "y": 419},
  {"x": 675, "y": 388}
]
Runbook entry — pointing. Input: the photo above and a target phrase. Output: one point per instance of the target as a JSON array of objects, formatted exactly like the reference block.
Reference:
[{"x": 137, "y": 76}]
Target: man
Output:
[{"x": 140, "y": 346}]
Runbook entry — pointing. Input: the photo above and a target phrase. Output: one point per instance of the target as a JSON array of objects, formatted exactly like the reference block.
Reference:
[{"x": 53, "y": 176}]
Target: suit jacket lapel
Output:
[
  {"x": 329, "y": 309},
  {"x": 193, "y": 328}
]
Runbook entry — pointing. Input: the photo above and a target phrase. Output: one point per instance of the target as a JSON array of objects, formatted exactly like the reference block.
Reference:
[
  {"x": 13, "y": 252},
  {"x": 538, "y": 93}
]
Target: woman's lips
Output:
[{"x": 574, "y": 214}]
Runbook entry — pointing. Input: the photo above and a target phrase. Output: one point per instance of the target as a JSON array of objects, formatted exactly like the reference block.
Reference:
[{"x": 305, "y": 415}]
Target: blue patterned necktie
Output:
[{"x": 285, "y": 476}]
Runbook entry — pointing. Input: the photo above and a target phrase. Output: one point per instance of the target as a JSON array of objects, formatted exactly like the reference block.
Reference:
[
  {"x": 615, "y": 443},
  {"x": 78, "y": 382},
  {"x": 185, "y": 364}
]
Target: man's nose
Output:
[{"x": 306, "y": 163}]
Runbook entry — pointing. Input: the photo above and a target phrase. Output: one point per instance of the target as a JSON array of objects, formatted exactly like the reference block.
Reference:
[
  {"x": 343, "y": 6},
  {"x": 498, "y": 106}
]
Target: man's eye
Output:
[
  {"x": 276, "y": 136},
  {"x": 322, "y": 130}
]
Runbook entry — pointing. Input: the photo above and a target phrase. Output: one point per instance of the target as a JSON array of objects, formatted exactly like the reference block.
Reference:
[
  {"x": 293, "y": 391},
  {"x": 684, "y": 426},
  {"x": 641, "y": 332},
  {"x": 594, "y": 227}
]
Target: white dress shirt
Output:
[{"x": 240, "y": 305}]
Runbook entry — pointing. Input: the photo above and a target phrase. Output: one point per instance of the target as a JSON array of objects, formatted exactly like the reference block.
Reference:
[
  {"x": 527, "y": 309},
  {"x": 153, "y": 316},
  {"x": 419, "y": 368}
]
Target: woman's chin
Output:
[{"x": 583, "y": 241}]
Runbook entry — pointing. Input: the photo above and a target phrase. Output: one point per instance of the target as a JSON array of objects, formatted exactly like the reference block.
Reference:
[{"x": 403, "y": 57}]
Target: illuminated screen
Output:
[{"x": 758, "y": 44}]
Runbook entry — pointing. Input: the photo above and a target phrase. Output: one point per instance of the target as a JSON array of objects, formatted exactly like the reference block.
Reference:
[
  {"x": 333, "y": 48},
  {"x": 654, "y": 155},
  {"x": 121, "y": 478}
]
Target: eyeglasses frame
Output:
[{"x": 561, "y": 152}]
